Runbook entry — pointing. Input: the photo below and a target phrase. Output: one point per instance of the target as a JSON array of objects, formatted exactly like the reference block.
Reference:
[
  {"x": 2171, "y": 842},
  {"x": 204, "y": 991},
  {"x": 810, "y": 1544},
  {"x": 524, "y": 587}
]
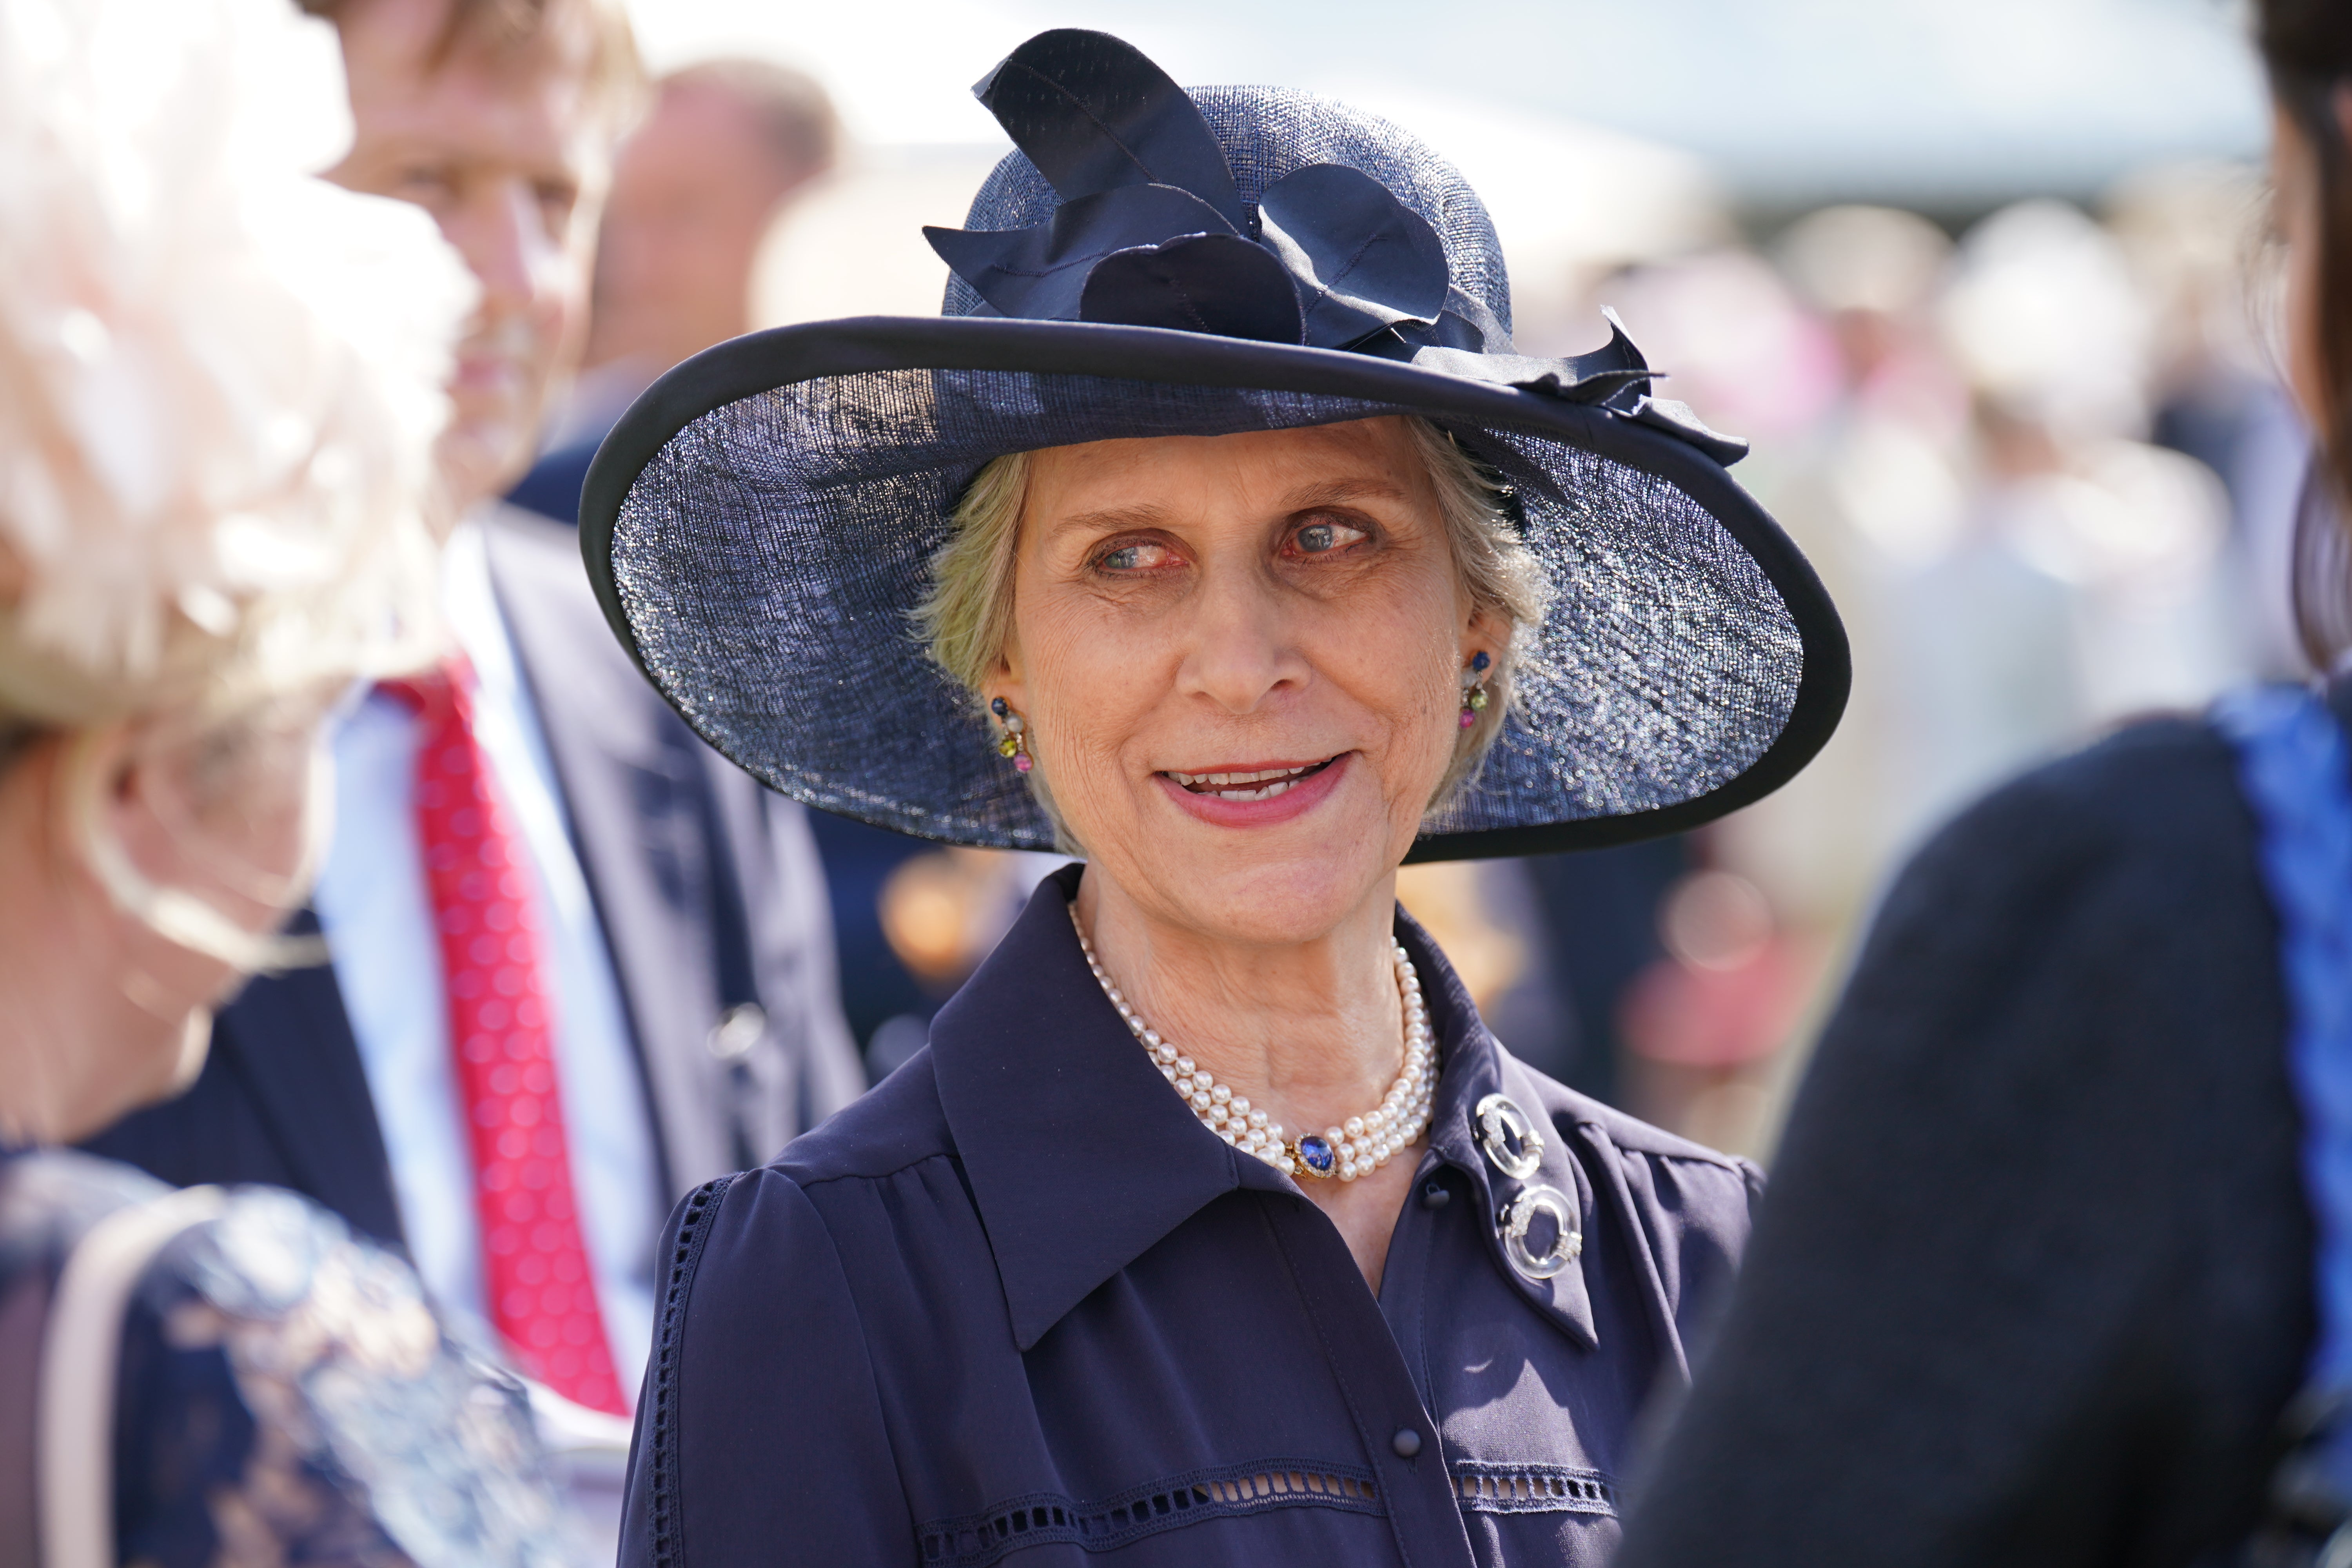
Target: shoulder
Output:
[
  {"x": 2087, "y": 950},
  {"x": 784, "y": 1241},
  {"x": 877, "y": 1181},
  {"x": 1691, "y": 1206},
  {"x": 897, "y": 1124},
  {"x": 2158, "y": 798},
  {"x": 50, "y": 1200},
  {"x": 2117, "y": 886},
  {"x": 1729, "y": 1180}
]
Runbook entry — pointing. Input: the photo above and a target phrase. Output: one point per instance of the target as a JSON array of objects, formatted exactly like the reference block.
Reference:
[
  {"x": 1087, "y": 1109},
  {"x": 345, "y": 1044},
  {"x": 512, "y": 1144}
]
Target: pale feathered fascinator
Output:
[{"x": 220, "y": 377}]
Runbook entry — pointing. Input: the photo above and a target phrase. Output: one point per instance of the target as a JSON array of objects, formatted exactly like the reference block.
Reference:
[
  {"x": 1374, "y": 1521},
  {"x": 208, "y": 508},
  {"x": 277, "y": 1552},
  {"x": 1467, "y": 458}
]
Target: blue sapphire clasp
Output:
[{"x": 1316, "y": 1155}]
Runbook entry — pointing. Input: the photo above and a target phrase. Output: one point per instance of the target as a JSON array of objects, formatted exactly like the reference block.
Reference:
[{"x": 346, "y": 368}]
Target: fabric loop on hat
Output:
[
  {"x": 1213, "y": 283},
  {"x": 1363, "y": 259},
  {"x": 1143, "y": 179},
  {"x": 1041, "y": 272},
  {"x": 1093, "y": 113}
]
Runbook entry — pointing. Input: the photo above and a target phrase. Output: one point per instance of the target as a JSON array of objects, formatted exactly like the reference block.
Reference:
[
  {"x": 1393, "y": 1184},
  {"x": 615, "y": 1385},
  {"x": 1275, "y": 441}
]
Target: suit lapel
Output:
[
  {"x": 637, "y": 812},
  {"x": 289, "y": 1038}
]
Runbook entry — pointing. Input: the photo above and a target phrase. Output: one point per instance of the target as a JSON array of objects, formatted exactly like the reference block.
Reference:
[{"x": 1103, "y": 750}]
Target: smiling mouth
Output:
[{"x": 1263, "y": 784}]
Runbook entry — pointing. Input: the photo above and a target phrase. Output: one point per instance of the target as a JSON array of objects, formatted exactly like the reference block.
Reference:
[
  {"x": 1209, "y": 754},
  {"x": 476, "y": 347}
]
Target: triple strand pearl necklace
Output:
[{"x": 1358, "y": 1148}]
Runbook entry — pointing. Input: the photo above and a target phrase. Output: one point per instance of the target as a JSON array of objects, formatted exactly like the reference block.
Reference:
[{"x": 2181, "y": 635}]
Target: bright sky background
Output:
[{"x": 1950, "y": 102}]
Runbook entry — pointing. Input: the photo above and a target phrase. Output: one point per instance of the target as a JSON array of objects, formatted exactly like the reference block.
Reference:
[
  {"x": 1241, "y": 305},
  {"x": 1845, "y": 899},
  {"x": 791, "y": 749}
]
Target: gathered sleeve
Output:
[{"x": 760, "y": 1432}]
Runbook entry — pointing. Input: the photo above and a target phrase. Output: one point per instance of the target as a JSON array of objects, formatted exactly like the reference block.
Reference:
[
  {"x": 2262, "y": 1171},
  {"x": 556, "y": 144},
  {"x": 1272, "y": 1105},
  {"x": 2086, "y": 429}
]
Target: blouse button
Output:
[
  {"x": 1407, "y": 1442},
  {"x": 1434, "y": 1194}
]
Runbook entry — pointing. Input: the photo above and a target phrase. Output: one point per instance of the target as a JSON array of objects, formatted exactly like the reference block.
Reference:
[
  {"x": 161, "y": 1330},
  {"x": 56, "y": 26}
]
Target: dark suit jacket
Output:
[{"x": 710, "y": 897}]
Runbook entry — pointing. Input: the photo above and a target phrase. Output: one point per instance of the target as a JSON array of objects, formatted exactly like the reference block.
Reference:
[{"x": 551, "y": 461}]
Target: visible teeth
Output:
[
  {"x": 1268, "y": 793},
  {"x": 1227, "y": 783}
]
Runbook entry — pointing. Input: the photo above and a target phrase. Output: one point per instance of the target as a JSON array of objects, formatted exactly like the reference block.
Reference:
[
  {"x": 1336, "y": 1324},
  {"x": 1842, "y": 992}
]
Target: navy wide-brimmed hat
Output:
[{"x": 1154, "y": 262}]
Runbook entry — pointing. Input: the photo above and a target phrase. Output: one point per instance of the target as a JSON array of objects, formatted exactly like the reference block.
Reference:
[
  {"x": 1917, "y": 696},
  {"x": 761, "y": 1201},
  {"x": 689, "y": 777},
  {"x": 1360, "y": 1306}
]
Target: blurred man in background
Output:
[
  {"x": 728, "y": 144},
  {"x": 580, "y": 964}
]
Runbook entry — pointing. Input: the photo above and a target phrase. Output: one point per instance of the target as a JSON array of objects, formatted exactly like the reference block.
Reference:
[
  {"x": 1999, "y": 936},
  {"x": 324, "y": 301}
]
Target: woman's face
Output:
[{"x": 1239, "y": 660}]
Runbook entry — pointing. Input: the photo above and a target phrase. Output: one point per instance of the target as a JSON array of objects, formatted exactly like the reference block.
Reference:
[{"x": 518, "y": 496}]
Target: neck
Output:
[
  {"x": 76, "y": 1047},
  {"x": 1312, "y": 1032}
]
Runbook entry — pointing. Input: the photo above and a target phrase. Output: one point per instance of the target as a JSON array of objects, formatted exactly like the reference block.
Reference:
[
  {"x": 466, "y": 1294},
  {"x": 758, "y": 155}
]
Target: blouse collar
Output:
[{"x": 1080, "y": 1159}]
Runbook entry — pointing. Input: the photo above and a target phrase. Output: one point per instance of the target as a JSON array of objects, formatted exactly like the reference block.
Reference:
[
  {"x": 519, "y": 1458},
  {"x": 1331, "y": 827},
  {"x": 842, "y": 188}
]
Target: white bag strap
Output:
[{"x": 80, "y": 1352}]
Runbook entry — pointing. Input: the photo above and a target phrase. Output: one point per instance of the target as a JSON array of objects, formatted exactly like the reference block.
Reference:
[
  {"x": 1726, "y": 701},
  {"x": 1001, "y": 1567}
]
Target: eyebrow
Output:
[
  {"x": 1313, "y": 498},
  {"x": 1339, "y": 492}
]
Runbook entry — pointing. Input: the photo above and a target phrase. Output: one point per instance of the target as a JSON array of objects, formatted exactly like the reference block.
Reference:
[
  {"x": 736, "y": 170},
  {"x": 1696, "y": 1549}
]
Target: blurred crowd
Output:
[
  {"x": 2039, "y": 455},
  {"x": 2046, "y": 469}
]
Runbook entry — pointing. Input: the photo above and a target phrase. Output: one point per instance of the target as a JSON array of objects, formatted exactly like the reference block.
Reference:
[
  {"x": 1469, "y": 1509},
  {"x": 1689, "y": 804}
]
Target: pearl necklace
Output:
[{"x": 1358, "y": 1148}]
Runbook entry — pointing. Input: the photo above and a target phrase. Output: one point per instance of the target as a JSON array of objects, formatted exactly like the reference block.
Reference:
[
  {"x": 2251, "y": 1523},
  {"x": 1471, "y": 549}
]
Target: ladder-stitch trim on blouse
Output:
[
  {"x": 1484, "y": 1488},
  {"x": 693, "y": 1230},
  {"x": 976, "y": 1540}
]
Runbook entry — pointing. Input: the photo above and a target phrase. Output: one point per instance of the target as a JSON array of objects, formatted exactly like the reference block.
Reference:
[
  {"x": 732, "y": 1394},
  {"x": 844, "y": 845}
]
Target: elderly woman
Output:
[
  {"x": 215, "y": 455},
  {"x": 1214, "y": 534}
]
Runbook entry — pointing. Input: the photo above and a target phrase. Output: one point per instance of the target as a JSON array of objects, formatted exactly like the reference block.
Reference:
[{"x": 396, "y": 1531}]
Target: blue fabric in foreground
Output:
[{"x": 2296, "y": 772}]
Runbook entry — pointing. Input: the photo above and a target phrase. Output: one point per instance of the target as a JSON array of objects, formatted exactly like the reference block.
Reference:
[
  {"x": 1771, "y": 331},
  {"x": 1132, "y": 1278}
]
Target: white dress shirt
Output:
[{"x": 377, "y": 913}]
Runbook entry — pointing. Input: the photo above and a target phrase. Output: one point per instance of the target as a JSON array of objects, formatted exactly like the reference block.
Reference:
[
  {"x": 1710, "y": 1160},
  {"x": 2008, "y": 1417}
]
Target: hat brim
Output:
[{"x": 759, "y": 523}]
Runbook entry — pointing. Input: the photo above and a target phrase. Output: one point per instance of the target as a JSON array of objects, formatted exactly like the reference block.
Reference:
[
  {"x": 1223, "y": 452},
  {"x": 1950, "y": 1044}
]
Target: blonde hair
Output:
[
  {"x": 965, "y": 621},
  {"x": 616, "y": 78},
  {"x": 221, "y": 380}
]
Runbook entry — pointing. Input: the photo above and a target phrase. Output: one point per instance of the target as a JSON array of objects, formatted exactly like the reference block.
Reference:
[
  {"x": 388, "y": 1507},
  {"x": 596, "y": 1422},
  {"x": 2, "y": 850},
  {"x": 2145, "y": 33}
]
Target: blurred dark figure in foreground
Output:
[
  {"x": 217, "y": 463},
  {"x": 2072, "y": 1170},
  {"x": 695, "y": 189}
]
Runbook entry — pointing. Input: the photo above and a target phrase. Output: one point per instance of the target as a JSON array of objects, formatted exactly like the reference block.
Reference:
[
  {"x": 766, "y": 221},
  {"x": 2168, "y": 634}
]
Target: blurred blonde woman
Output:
[{"x": 218, "y": 400}]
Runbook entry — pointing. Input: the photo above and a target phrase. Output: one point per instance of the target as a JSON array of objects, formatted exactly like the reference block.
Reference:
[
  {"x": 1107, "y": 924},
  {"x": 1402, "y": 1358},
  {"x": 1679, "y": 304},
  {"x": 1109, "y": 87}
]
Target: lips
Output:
[{"x": 1245, "y": 784}]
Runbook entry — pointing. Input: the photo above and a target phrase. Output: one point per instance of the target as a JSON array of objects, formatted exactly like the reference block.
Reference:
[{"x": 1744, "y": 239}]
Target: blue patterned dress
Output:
[{"x": 285, "y": 1395}]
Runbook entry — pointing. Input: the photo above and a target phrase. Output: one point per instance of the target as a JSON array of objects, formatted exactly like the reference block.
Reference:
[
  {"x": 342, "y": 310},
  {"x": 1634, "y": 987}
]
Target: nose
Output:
[
  {"x": 502, "y": 234},
  {"x": 1238, "y": 648}
]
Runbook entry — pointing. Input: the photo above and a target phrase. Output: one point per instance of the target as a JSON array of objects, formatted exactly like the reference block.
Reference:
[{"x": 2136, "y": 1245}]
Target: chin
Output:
[
  {"x": 1276, "y": 894},
  {"x": 1276, "y": 883}
]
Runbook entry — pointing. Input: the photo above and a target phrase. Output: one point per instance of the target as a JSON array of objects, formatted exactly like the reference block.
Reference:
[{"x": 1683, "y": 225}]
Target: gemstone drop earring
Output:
[
  {"x": 1474, "y": 688},
  {"x": 1013, "y": 743}
]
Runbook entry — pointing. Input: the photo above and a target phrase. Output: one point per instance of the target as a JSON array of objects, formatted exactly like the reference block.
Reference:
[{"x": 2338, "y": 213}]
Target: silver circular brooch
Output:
[
  {"x": 1519, "y": 1216},
  {"x": 1507, "y": 1137}
]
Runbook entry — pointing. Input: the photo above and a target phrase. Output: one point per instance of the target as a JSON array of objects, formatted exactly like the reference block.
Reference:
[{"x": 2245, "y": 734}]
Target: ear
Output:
[
  {"x": 1486, "y": 633},
  {"x": 1008, "y": 682}
]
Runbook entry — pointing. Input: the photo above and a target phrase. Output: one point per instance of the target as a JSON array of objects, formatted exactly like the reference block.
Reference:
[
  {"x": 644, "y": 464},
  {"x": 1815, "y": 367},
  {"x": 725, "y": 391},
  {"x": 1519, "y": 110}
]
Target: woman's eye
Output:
[
  {"x": 1322, "y": 538},
  {"x": 1139, "y": 557}
]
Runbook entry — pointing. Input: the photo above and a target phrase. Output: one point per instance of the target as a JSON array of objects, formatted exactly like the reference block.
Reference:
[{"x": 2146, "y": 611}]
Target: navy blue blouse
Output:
[{"x": 1019, "y": 1302}]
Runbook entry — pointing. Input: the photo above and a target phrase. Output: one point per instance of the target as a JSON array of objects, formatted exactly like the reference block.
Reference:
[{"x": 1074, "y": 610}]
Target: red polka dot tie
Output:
[{"x": 541, "y": 1293}]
